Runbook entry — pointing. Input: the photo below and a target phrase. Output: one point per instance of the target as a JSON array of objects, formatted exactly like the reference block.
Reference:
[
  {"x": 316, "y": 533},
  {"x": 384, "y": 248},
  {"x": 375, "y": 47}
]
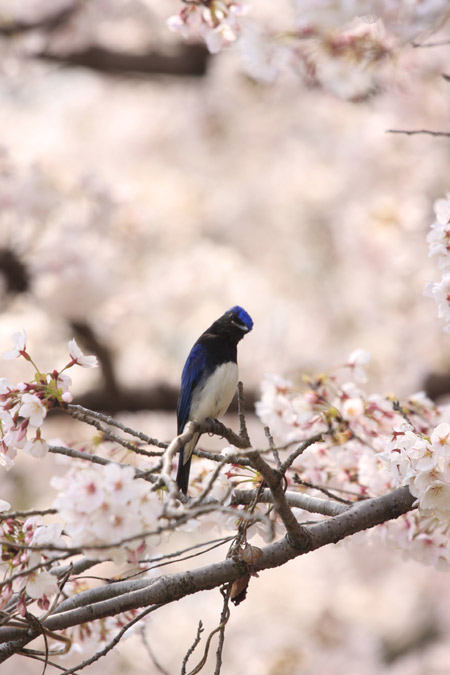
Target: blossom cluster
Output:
[
  {"x": 338, "y": 45},
  {"x": 28, "y": 571},
  {"x": 370, "y": 445},
  {"x": 215, "y": 21},
  {"x": 423, "y": 463},
  {"x": 439, "y": 245},
  {"x": 23, "y": 407},
  {"x": 108, "y": 509}
]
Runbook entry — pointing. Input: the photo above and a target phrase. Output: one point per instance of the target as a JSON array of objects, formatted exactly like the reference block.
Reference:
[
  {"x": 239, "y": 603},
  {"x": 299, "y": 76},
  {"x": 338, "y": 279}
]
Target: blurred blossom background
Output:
[{"x": 147, "y": 185}]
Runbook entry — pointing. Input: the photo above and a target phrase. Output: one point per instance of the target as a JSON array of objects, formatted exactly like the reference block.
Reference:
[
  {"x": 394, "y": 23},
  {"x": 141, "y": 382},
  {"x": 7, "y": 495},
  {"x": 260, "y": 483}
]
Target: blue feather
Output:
[
  {"x": 193, "y": 371},
  {"x": 243, "y": 316}
]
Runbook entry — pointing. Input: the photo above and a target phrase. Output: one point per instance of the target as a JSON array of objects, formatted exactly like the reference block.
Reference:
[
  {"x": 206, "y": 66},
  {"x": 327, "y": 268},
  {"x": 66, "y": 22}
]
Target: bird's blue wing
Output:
[{"x": 192, "y": 373}]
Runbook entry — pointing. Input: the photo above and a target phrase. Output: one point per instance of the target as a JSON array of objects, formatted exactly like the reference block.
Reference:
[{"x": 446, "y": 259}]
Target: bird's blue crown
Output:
[{"x": 243, "y": 316}]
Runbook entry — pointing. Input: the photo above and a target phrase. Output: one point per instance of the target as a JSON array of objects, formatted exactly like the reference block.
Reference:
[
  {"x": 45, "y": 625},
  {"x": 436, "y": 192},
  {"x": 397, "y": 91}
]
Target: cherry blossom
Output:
[
  {"x": 217, "y": 22},
  {"x": 33, "y": 409},
  {"x": 105, "y": 504},
  {"x": 19, "y": 349},
  {"x": 79, "y": 358},
  {"x": 36, "y": 447},
  {"x": 357, "y": 360}
]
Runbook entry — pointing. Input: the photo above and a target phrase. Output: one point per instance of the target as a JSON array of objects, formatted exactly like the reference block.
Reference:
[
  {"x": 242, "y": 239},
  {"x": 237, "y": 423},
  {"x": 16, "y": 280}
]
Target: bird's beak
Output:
[{"x": 241, "y": 326}]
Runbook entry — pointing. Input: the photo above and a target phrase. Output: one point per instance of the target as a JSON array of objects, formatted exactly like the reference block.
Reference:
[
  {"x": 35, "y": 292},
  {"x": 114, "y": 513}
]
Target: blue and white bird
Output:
[{"x": 209, "y": 379}]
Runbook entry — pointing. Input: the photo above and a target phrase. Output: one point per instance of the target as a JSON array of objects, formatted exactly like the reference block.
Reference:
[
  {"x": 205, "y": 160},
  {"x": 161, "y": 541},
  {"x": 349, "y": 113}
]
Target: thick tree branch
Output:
[
  {"x": 164, "y": 590},
  {"x": 298, "y": 500},
  {"x": 186, "y": 60}
]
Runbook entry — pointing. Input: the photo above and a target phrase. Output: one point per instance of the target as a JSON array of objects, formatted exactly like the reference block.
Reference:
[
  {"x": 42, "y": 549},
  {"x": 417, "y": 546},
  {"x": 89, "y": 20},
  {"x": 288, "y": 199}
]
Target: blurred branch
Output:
[
  {"x": 437, "y": 43},
  {"x": 49, "y": 21},
  {"x": 14, "y": 271},
  {"x": 85, "y": 332},
  {"x": 436, "y": 385},
  {"x": 160, "y": 396},
  {"x": 415, "y": 132},
  {"x": 187, "y": 59}
]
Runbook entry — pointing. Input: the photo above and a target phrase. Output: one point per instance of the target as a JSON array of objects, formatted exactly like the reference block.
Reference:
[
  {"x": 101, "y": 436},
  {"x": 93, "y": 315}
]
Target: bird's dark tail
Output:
[{"x": 183, "y": 473}]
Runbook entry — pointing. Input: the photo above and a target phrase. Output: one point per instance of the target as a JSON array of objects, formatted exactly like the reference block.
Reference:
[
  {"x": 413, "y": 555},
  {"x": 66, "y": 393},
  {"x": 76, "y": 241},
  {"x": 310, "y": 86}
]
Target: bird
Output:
[{"x": 209, "y": 379}]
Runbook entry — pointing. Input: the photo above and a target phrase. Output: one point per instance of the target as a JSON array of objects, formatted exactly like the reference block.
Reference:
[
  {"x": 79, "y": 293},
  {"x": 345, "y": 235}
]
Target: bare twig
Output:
[
  {"x": 414, "y": 132},
  {"x": 98, "y": 655},
  {"x": 111, "y": 435},
  {"x": 96, "y": 459},
  {"x": 322, "y": 489},
  {"x": 225, "y": 615},
  {"x": 243, "y": 431},
  {"x": 151, "y": 653},
  {"x": 27, "y": 514},
  {"x": 436, "y": 43},
  {"x": 300, "y": 449},
  {"x": 110, "y": 421},
  {"x": 192, "y": 648},
  {"x": 275, "y": 452},
  {"x": 26, "y": 572}
]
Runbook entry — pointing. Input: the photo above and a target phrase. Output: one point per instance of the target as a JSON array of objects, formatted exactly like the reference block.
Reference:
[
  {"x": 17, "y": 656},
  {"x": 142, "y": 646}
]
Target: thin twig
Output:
[
  {"x": 27, "y": 514},
  {"x": 98, "y": 655},
  {"x": 320, "y": 488},
  {"x": 150, "y": 652},
  {"x": 225, "y": 615},
  {"x": 243, "y": 431},
  {"x": 107, "y": 419},
  {"x": 275, "y": 452},
  {"x": 300, "y": 449},
  {"x": 96, "y": 459},
  {"x": 83, "y": 417},
  {"x": 437, "y": 43},
  {"x": 34, "y": 568},
  {"x": 192, "y": 648},
  {"x": 414, "y": 132}
]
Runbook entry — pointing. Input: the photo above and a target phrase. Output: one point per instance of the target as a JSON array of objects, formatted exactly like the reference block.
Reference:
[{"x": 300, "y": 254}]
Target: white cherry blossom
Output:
[
  {"x": 20, "y": 342},
  {"x": 79, "y": 358}
]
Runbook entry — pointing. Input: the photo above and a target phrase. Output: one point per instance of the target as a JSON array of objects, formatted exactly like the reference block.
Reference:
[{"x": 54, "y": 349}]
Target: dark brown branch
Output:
[
  {"x": 14, "y": 271},
  {"x": 186, "y": 60},
  {"x": 92, "y": 344},
  {"x": 159, "y": 396}
]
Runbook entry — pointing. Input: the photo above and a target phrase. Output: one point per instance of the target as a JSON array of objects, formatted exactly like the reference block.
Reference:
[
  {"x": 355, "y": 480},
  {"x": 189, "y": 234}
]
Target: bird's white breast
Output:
[{"x": 213, "y": 399}]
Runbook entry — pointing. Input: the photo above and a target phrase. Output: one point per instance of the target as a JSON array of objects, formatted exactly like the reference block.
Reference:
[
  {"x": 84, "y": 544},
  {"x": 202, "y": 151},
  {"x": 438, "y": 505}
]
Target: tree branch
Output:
[
  {"x": 167, "y": 589},
  {"x": 187, "y": 60},
  {"x": 418, "y": 131}
]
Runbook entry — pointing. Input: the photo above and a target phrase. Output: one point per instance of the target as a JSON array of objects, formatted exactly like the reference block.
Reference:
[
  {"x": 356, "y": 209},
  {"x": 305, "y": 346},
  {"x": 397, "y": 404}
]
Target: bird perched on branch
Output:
[{"x": 209, "y": 379}]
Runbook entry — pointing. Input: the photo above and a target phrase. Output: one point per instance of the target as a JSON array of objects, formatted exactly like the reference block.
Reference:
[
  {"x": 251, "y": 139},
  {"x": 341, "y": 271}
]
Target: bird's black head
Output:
[{"x": 235, "y": 323}]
